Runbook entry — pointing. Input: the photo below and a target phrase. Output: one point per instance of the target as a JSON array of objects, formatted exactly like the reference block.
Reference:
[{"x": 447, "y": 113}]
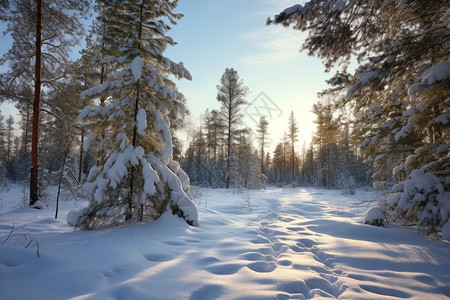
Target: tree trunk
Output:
[
  {"x": 312, "y": 165},
  {"x": 293, "y": 159},
  {"x": 229, "y": 145},
  {"x": 329, "y": 167},
  {"x": 80, "y": 163},
  {"x": 134, "y": 141},
  {"x": 61, "y": 176},
  {"x": 36, "y": 106}
]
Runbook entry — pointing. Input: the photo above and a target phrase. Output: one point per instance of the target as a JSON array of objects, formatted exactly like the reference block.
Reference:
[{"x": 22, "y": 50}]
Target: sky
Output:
[{"x": 214, "y": 35}]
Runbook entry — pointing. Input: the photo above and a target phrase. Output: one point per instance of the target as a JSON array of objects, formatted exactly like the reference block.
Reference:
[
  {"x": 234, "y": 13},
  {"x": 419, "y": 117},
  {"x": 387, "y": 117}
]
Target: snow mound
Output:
[
  {"x": 38, "y": 205},
  {"x": 72, "y": 217},
  {"x": 446, "y": 231},
  {"x": 374, "y": 216}
]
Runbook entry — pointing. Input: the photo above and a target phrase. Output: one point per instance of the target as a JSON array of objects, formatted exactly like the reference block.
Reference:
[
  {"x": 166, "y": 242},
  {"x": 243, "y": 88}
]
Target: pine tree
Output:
[
  {"x": 326, "y": 136},
  {"x": 263, "y": 132},
  {"x": 136, "y": 177},
  {"x": 293, "y": 137},
  {"x": 2, "y": 149},
  {"x": 9, "y": 138},
  {"x": 43, "y": 33},
  {"x": 231, "y": 94},
  {"x": 277, "y": 163},
  {"x": 399, "y": 93},
  {"x": 215, "y": 133}
]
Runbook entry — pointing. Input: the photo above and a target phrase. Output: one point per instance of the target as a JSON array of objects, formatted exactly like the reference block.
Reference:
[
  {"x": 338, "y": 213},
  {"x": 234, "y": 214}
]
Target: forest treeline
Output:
[
  {"x": 333, "y": 159},
  {"x": 110, "y": 119}
]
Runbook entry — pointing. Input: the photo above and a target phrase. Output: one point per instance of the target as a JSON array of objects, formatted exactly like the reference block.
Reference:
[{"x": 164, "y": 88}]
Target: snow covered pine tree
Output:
[
  {"x": 136, "y": 178},
  {"x": 399, "y": 93}
]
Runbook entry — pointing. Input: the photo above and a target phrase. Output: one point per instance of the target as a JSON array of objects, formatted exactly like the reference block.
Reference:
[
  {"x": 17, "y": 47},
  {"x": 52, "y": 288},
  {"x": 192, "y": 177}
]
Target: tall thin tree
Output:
[
  {"x": 43, "y": 33},
  {"x": 262, "y": 130},
  {"x": 231, "y": 94},
  {"x": 293, "y": 138}
]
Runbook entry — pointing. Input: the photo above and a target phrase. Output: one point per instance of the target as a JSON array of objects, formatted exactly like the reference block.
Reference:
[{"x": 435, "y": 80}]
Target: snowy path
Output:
[
  {"x": 274, "y": 244},
  {"x": 299, "y": 246}
]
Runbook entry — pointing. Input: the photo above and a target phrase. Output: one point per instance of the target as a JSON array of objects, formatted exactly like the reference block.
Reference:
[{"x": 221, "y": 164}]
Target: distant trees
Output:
[
  {"x": 231, "y": 94},
  {"x": 221, "y": 152},
  {"x": 206, "y": 159},
  {"x": 325, "y": 137},
  {"x": 328, "y": 162},
  {"x": 263, "y": 132},
  {"x": 398, "y": 94},
  {"x": 292, "y": 135}
]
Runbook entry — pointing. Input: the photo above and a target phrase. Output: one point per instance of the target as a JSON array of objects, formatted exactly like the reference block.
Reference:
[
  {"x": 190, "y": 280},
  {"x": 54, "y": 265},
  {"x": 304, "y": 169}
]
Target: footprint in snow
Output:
[
  {"x": 192, "y": 241},
  {"x": 114, "y": 271},
  {"x": 260, "y": 240},
  {"x": 224, "y": 269},
  {"x": 285, "y": 262},
  {"x": 254, "y": 256},
  {"x": 385, "y": 291},
  {"x": 298, "y": 249},
  {"x": 211, "y": 292},
  {"x": 322, "y": 284},
  {"x": 207, "y": 261},
  {"x": 262, "y": 266},
  {"x": 305, "y": 242},
  {"x": 173, "y": 243},
  {"x": 157, "y": 257}
]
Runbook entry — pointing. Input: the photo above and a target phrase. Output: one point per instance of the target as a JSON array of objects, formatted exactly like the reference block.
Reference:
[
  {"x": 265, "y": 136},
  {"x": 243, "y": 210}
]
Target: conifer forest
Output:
[{"x": 102, "y": 135}]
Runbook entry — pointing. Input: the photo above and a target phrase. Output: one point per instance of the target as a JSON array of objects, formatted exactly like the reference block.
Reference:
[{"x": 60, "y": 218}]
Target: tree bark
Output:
[{"x": 36, "y": 106}]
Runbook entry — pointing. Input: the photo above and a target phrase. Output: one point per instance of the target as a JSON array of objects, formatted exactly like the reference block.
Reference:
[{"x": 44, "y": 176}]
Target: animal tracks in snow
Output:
[
  {"x": 278, "y": 249},
  {"x": 291, "y": 244}
]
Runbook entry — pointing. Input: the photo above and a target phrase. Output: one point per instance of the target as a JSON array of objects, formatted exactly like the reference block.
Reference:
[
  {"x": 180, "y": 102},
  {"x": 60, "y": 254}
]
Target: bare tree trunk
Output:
[
  {"x": 36, "y": 106},
  {"x": 292, "y": 159},
  {"x": 229, "y": 145},
  {"x": 80, "y": 163},
  {"x": 312, "y": 164},
  {"x": 329, "y": 167},
  {"x": 61, "y": 175}
]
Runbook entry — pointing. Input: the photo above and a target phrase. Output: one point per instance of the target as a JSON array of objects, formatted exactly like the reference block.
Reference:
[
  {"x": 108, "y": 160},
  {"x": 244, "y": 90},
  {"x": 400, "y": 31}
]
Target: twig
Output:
[{"x": 10, "y": 234}]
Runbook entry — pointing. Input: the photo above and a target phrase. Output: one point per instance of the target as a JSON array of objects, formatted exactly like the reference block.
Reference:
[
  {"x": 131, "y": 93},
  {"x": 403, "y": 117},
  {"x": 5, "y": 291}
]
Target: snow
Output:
[
  {"x": 339, "y": 5},
  {"x": 162, "y": 126},
  {"x": 374, "y": 216},
  {"x": 136, "y": 67},
  {"x": 271, "y": 244},
  {"x": 443, "y": 119},
  {"x": 94, "y": 91},
  {"x": 446, "y": 231},
  {"x": 405, "y": 131},
  {"x": 431, "y": 76},
  {"x": 150, "y": 177},
  {"x": 141, "y": 121},
  {"x": 291, "y": 10},
  {"x": 363, "y": 80},
  {"x": 177, "y": 194},
  {"x": 436, "y": 73}
]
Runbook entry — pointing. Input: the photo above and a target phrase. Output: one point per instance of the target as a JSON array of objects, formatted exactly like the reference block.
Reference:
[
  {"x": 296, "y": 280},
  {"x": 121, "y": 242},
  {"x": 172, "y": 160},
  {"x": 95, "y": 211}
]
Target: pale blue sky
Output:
[{"x": 214, "y": 35}]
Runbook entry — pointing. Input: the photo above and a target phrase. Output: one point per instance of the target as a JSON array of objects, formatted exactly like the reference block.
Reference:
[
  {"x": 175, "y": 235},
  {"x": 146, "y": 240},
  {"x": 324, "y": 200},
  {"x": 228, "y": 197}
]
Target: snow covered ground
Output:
[{"x": 272, "y": 244}]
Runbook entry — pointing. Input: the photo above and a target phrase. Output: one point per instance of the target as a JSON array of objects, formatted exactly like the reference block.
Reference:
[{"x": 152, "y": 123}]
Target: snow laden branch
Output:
[
  {"x": 399, "y": 93},
  {"x": 135, "y": 178}
]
